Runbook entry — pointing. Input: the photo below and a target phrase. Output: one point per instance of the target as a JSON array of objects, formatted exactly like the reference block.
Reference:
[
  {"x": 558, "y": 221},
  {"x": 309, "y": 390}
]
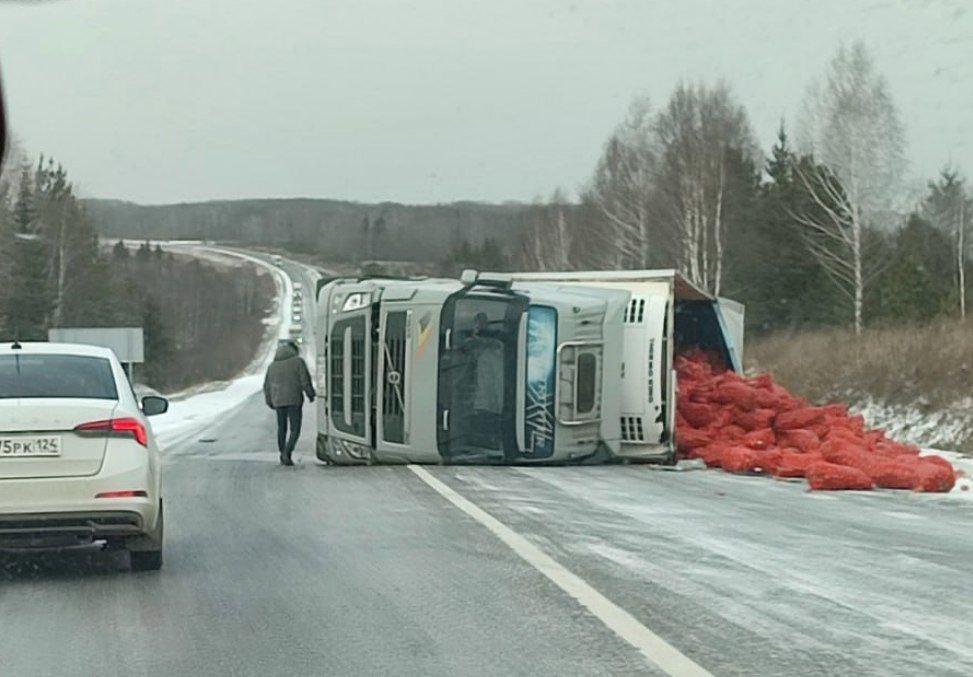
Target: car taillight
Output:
[{"x": 117, "y": 426}]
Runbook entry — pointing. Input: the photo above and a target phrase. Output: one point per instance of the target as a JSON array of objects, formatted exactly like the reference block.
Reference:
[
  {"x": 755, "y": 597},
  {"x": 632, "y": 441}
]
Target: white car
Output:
[{"x": 78, "y": 460}]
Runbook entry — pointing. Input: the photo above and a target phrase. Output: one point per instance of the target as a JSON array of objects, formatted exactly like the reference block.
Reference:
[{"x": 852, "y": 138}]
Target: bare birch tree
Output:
[
  {"x": 699, "y": 134},
  {"x": 851, "y": 127},
  {"x": 548, "y": 236},
  {"x": 951, "y": 209},
  {"x": 622, "y": 189}
]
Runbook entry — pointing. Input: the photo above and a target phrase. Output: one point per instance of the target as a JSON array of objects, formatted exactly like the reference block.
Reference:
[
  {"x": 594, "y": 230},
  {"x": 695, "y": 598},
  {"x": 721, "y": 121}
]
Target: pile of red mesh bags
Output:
[{"x": 753, "y": 425}]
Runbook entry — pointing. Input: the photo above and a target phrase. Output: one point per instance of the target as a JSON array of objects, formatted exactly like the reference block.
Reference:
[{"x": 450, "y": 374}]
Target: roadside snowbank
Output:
[
  {"x": 193, "y": 410},
  {"x": 947, "y": 428}
]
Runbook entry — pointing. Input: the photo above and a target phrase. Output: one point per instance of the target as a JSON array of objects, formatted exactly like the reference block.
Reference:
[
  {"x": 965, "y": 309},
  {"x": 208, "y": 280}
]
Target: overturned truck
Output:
[{"x": 509, "y": 367}]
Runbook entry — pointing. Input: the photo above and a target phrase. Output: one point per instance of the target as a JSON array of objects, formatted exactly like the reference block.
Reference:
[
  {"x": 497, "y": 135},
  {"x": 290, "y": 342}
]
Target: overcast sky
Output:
[{"x": 425, "y": 101}]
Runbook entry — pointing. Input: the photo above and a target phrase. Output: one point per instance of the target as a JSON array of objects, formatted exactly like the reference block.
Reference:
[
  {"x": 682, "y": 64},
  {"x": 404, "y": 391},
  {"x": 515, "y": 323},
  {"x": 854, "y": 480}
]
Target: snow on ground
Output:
[
  {"x": 193, "y": 410},
  {"x": 946, "y": 428}
]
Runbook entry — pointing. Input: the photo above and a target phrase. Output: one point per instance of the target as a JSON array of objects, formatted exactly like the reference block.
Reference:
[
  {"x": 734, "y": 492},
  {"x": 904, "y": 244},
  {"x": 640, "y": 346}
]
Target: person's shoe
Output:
[
  {"x": 286, "y": 459},
  {"x": 283, "y": 460}
]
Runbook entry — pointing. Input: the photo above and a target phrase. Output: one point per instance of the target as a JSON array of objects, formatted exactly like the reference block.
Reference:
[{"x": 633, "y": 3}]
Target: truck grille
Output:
[{"x": 394, "y": 391}]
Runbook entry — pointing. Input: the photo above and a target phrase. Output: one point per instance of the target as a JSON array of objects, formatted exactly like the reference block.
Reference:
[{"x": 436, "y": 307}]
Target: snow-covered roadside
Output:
[
  {"x": 947, "y": 428},
  {"x": 193, "y": 410},
  {"x": 929, "y": 430}
]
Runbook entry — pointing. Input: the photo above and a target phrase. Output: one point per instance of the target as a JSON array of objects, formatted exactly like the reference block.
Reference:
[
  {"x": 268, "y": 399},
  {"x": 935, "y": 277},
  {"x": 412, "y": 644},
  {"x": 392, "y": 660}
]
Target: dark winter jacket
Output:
[{"x": 287, "y": 380}]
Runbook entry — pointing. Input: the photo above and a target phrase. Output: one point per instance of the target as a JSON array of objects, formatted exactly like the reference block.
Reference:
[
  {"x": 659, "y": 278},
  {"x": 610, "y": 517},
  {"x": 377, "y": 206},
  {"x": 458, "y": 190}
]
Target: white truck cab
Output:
[{"x": 506, "y": 367}]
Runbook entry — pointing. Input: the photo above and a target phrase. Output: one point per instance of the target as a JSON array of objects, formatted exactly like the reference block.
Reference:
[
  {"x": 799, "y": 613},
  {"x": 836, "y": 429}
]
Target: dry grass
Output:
[{"x": 929, "y": 366}]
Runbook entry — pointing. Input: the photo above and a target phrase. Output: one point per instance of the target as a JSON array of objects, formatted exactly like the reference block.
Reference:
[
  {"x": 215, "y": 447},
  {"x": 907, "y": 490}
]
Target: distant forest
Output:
[
  {"x": 334, "y": 229},
  {"x": 202, "y": 322}
]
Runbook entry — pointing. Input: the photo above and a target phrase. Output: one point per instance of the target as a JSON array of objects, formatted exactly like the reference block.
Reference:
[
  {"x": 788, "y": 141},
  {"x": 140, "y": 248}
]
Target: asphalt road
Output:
[
  {"x": 316, "y": 570},
  {"x": 320, "y": 570}
]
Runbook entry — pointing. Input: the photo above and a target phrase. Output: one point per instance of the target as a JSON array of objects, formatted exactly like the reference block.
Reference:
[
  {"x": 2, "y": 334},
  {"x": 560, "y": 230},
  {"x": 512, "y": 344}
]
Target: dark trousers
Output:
[{"x": 288, "y": 415}]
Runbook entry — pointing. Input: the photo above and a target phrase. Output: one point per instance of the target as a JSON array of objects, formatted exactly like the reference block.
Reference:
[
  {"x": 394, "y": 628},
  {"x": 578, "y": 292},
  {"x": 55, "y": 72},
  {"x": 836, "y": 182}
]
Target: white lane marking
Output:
[{"x": 655, "y": 649}]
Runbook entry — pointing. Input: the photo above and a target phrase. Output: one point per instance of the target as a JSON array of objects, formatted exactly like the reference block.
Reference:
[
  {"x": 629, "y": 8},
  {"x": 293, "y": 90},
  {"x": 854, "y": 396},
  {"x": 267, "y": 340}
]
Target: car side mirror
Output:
[{"x": 153, "y": 405}]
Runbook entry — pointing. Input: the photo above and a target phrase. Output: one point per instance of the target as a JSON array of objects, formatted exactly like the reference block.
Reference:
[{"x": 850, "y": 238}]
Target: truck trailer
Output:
[{"x": 522, "y": 368}]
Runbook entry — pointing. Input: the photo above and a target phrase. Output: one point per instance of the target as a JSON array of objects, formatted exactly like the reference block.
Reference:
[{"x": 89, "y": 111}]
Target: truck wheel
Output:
[{"x": 145, "y": 552}]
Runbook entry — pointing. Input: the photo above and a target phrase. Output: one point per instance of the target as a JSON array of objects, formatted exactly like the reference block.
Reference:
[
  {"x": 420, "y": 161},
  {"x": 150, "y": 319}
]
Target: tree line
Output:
[
  {"x": 200, "y": 322},
  {"x": 331, "y": 230},
  {"x": 820, "y": 232}
]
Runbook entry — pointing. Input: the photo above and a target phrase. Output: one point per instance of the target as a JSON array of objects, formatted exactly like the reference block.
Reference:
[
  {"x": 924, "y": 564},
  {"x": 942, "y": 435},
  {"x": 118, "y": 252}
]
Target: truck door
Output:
[{"x": 350, "y": 358}]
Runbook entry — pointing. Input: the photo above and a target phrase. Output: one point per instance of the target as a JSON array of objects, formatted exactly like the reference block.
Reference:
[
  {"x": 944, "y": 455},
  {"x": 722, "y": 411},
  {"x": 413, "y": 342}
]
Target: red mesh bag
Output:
[
  {"x": 760, "y": 439},
  {"x": 934, "y": 477},
  {"x": 767, "y": 399},
  {"x": 820, "y": 429},
  {"x": 738, "y": 459},
  {"x": 768, "y": 460},
  {"x": 794, "y": 464},
  {"x": 786, "y": 401},
  {"x": 799, "y": 438},
  {"x": 799, "y": 418},
  {"x": 762, "y": 381},
  {"x": 754, "y": 420},
  {"x": 711, "y": 455},
  {"x": 855, "y": 424},
  {"x": 732, "y": 433},
  {"x": 739, "y": 394},
  {"x": 873, "y": 437},
  {"x": 892, "y": 474},
  {"x": 938, "y": 460},
  {"x": 890, "y": 448},
  {"x": 842, "y": 452},
  {"x": 847, "y": 437},
  {"x": 696, "y": 414},
  {"x": 825, "y": 476},
  {"x": 703, "y": 394},
  {"x": 835, "y": 410},
  {"x": 755, "y": 425},
  {"x": 690, "y": 438}
]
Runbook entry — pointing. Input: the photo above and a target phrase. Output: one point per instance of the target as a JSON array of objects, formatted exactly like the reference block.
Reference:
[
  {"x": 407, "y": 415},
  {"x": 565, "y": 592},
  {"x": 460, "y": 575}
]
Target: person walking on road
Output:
[{"x": 286, "y": 383}]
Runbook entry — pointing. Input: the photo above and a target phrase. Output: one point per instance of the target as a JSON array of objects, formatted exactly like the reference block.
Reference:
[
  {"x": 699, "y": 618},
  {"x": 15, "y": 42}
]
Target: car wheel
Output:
[{"x": 145, "y": 553}]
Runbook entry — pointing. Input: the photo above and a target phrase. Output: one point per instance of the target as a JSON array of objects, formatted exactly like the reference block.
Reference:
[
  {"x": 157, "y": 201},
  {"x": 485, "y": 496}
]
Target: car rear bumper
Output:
[
  {"x": 66, "y": 529},
  {"x": 54, "y": 507}
]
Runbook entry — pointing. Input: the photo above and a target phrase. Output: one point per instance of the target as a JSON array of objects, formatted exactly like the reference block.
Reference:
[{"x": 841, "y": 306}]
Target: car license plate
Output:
[{"x": 39, "y": 445}]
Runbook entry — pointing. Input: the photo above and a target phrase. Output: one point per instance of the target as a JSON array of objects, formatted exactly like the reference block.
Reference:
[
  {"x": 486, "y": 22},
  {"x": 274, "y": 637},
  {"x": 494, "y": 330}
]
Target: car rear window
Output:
[{"x": 56, "y": 376}]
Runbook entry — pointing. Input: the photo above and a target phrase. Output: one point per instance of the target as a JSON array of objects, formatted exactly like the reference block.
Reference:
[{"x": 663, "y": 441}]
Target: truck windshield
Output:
[{"x": 477, "y": 376}]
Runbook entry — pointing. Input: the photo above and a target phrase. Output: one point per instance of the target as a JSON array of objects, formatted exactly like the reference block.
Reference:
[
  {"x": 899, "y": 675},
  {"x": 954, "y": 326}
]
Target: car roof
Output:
[{"x": 45, "y": 348}]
